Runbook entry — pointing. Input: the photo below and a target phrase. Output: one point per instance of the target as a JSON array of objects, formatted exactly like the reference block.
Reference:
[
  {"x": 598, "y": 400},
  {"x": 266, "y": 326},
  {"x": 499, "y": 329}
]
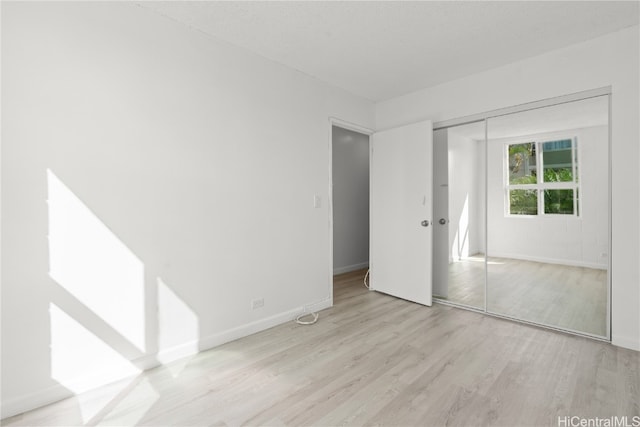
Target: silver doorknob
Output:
[
  {"x": 425, "y": 223},
  {"x": 442, "y": 221}
]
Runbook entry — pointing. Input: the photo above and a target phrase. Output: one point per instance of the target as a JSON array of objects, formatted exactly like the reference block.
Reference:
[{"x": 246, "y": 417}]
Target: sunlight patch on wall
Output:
[
  {"x": 93, "y": 265},
  {"x": 178, "y": 328},
  {"x": 80, "y": 361},
  {"x": 460, "y": 244}
]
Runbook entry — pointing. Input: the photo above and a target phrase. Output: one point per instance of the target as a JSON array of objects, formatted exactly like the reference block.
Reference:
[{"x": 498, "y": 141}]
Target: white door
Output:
[
  {"x": 401, "y": 228},
  {"x": 440, "y": 214}
]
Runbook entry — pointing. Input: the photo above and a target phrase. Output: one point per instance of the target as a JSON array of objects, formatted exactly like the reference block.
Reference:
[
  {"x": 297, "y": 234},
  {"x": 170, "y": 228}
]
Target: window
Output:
[{"x": 542, "y": 178}]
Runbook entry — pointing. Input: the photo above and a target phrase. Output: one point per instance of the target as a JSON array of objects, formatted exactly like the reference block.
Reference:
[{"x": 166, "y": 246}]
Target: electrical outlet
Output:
[{"x": 257, "y": 303}]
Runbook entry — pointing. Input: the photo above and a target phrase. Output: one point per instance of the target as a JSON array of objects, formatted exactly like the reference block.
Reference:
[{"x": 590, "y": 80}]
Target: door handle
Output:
[
  {"x": 425, "y": 223},
  {"x": 443, "y": 221}
]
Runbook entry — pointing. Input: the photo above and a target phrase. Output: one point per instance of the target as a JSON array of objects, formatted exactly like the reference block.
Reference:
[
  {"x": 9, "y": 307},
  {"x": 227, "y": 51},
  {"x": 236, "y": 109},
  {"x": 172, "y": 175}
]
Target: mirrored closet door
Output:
[
  {"x": 521, "y": 210},
  {"x": 459, "y": 215},
  {"x": 548, "y": 215}
]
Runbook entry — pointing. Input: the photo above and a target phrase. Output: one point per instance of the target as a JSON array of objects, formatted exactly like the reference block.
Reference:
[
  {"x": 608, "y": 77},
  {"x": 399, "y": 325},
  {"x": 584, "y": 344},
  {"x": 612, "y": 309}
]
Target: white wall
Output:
[
  {"x": 350, "y": 167},
  {"x": 611, "y": 60},
  {"x": 154, "y": 182},
  {"x": 466, "y": 196},
  {"x": 581, "y": 241}
]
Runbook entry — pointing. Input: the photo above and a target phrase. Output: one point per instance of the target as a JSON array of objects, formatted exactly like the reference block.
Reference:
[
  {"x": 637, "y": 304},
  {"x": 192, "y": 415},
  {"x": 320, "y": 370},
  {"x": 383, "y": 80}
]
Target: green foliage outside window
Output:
[
  {"x": 558, "y": 201},
  {"x": 525, "y": 202}
]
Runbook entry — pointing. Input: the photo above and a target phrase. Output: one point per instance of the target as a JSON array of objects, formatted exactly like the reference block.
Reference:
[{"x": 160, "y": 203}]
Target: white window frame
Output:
[{"x": 540, "y": 185}]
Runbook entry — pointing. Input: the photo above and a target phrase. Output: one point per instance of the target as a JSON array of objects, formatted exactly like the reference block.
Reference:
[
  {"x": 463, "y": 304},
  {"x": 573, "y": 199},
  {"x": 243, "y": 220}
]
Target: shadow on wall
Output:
[{"x": 98, "y": 310}]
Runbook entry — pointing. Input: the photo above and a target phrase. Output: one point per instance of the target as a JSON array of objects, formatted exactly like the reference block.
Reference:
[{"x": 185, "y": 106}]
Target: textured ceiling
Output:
[{"x": 383, "y": 49}]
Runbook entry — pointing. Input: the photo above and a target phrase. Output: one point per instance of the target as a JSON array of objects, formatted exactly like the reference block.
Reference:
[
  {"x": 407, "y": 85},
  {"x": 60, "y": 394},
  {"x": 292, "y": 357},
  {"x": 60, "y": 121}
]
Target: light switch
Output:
[{"x": 317, "y": 201}]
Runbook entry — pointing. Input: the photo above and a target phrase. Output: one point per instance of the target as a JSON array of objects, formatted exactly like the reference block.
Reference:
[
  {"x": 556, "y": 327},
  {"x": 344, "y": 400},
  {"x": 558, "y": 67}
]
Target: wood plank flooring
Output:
[
  {"x": 567, "y": 297},
  {"x": 374, "y": 360}
]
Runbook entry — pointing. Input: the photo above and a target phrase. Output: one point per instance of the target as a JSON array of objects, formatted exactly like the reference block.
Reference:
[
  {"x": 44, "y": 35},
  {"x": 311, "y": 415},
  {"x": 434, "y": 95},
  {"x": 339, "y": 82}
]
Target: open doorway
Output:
[
  {"x": 350, "y": 200},
  {"x": 381, "y": 217}
]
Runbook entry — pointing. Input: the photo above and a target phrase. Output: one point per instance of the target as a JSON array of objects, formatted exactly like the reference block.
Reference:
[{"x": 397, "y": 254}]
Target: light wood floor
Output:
[
  {"x": 377, "y": 360},
  {"x": 567, "y": 297}
]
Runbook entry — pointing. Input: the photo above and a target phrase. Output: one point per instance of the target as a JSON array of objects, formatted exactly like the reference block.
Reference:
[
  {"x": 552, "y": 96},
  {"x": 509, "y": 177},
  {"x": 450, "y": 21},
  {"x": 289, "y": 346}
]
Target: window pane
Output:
[
  {"x": 523, "y": 202},
  {"x": 557, "y": 160},
  {"x": 558, "y": 202},
  {"x": 522, "y": 163},
  {"x": 575, "y": 160}
]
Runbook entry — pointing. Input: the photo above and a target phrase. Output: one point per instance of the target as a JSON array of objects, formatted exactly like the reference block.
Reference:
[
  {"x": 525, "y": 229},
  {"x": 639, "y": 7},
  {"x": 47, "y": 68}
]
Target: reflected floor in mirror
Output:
[
  {"x": 466, "y": 282},
  {"x": 564, "y": 296},
  {"x": 567, "y": 297}
]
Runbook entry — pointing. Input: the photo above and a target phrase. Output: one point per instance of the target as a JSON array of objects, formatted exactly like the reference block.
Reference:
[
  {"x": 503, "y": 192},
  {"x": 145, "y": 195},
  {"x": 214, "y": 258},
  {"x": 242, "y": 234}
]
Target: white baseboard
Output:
[
  {"x": 626, "y": 342},
  {"x": 320, "y": 305},
  {"x": 569, "y": 262},
  {"x": 349, "y": 268},
  {"x": 177, "y": 352},
  {"x": 34, "y": 400},
  {"x": 250, "y": 328},
  {"x": 58, "y": 392}
]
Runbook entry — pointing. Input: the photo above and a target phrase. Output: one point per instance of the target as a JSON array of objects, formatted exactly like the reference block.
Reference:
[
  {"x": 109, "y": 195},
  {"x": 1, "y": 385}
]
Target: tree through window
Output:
[{"x": 542, "y": 178}]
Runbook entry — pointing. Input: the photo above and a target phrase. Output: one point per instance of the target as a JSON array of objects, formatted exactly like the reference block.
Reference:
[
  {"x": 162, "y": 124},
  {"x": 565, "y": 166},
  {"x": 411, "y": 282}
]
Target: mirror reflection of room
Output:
[
  {"x": 548, "y": 215},
  {"x": 459, "y": 211}
]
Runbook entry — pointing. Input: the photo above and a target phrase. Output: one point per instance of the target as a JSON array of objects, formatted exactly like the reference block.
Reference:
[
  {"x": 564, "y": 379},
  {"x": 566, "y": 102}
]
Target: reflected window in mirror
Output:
[{"x": 541, "y": 178}]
